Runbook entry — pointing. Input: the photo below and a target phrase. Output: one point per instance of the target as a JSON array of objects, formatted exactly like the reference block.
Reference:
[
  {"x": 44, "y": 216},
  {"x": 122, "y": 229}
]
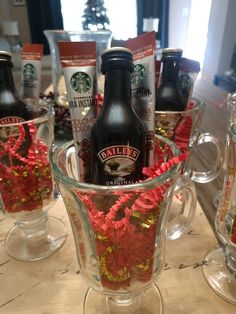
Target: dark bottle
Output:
[
  {"x": 12, "y": 108},
  {"x": 118, "y": 135},
  {"x": 169, "y": 96}
]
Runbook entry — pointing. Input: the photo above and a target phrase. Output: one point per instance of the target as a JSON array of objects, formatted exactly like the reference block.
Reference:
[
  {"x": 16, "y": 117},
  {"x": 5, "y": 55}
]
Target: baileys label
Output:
[
  {"x": 119, "y": 160},
  {"x": 10, "y": 119}
]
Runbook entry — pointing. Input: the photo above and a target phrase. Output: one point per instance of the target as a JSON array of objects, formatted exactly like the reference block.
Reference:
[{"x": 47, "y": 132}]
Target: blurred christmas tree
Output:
[{"x": 95, "y": 17}]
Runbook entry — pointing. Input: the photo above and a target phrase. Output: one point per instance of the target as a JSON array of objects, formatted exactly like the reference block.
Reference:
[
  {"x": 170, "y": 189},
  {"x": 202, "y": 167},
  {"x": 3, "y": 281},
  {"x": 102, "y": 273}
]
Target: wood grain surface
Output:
[{"x": 55, "y": 286}]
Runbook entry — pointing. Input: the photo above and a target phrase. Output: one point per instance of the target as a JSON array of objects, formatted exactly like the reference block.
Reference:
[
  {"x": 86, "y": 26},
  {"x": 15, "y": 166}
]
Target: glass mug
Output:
[
  {"x": 27, "y": 187},
  {"x": 119, "y": 233},
  {"x": 183, "y": 128},
  {"x": 220, "y": 267}
]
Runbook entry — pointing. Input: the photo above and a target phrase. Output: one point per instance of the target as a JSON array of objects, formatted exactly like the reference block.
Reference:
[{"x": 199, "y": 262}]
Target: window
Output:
[
  {"x": 123, "y": 18},
  {"x": 122, "y": 15},
  {"x": 197, "y": 30}
]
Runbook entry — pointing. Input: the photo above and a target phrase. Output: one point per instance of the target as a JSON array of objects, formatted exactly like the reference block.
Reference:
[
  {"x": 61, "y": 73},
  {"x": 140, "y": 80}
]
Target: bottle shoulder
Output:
[
  {"x": 169, "y": 97},
  {"x": 12, "y": 105},
  {"x": 118, "y": 113}
]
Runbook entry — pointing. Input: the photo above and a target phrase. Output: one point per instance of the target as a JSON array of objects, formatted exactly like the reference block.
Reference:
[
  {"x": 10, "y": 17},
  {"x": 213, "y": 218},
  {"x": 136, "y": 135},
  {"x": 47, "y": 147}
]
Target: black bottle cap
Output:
[
  {"x": 5, "y": 56},
  {"x": 175, "y": 53},
  {"x": 117, "y": 58}
]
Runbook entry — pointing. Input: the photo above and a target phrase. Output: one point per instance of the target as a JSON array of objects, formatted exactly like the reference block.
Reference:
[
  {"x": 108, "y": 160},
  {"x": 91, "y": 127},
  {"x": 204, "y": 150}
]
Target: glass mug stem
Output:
[
  {"x": 33, "y": 226},
  {"x": 120, "y": 306}
]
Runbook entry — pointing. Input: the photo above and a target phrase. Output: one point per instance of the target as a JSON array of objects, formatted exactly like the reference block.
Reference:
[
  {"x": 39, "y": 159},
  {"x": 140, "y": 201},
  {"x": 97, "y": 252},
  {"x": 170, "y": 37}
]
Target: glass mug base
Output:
[
  {"x": 148, "y": 302},
  {"x": 22, "y": 248},
  {"x": 218, "y": 275}
]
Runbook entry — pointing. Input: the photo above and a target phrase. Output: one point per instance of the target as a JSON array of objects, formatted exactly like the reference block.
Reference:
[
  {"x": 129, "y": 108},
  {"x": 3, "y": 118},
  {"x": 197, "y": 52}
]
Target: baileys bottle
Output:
[
  {"x": 118, "y": 135},
  {"x": 12, "y": 108}
]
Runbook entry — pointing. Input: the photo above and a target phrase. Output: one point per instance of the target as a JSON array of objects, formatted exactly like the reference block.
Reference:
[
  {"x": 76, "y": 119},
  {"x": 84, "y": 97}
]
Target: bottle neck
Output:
[
  {"x": 117, "y": 86},
  {"x": 6, "y": 78},
  {"x": 170, "y": 71}
]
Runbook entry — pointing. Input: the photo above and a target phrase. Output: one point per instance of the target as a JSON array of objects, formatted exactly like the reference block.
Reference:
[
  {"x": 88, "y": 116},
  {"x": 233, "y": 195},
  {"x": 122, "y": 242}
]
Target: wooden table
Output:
[{"x": 54, "y": 285}]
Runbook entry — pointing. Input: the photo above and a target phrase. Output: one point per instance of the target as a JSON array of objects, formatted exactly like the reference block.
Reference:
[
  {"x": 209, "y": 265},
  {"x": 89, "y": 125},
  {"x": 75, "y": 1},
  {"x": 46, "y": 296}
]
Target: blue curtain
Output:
[
  {"x": 155, "y": 9},
  {"x": 43, "y": 14}
]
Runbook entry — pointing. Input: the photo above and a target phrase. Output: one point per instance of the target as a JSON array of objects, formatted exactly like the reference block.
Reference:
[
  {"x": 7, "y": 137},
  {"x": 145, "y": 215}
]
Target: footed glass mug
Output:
[
  {"x": 220, "y": 268},
  {"x": 119, "y": 233},
  {"x": 27, "y": 189},
  {"x": 183, "y": 127}
]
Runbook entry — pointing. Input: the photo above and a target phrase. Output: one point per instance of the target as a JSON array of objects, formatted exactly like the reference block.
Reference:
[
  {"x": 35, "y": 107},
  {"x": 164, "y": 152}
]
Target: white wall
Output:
[
  {"x": 214, "y": 55},
  {"x": 8, "y": 11},
  {"x": 221, "y": 35}
]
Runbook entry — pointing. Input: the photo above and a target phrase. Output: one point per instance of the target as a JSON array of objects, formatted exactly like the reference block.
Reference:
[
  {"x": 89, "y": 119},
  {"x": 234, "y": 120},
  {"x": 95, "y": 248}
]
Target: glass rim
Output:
[
  {"x": 199, "y": 105},
  {"x": 49, "y": 113},
  {"x": 144, "y": 185}
]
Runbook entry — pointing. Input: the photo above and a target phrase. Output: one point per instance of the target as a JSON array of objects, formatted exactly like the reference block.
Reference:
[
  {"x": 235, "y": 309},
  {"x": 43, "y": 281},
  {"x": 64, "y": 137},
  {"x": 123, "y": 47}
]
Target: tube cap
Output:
[{"x": 5, "y": 56}]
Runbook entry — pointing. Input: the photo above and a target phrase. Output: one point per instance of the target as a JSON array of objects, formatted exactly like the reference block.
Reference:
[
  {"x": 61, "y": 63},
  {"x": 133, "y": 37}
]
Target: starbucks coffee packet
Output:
[
  {"x": 31, "y": 72},
  {"x": 188, "y": 72},
  {"x": 78, "y": 60},
  {"x": 143, "y": 85}
]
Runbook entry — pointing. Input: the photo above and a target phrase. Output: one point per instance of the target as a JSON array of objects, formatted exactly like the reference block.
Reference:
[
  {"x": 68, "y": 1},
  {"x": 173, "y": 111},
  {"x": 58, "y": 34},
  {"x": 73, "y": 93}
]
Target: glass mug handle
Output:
[
  {"x": 182, "y": 207},
  {"x": 211, "y": 174}
]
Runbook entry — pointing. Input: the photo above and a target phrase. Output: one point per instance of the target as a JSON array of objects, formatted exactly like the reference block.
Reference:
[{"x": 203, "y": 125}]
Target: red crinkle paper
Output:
[
  {"x": 125, "y": 226},
  {"x": 25, "y": 181}
]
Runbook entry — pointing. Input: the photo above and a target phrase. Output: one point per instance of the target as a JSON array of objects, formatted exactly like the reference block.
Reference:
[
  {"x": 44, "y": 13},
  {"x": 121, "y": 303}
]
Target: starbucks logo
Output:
[
  {"x": 138, "y": 74},
  {"x": 185, "y": 83},
  {"x": 29, "y": 72},
  {"x": 81, "y": 82}
]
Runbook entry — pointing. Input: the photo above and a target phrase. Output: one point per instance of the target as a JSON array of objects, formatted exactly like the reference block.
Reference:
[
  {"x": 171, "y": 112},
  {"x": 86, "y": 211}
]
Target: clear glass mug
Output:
[
  {"x": 219, "y": 268},
  {"x": 183, "y": 128},
  {"x": 119, "y": 233},
  {"x": 27, "y": 187}
]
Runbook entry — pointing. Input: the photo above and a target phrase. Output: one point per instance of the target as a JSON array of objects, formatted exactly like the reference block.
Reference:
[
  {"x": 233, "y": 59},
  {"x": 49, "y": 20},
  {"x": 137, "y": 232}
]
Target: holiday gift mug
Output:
[
  {"x": 119, "y": 231},
  {"x": 27, "y": 187},
  {"x": 183, "y": 128},
  {"x": 220, "y": 267}
]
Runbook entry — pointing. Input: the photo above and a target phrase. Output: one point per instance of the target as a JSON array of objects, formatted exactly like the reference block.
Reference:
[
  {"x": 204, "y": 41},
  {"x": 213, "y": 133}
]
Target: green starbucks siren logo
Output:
[
  {"x": 81, "y": 82},
  {"x": 29, "y": 72},
  {"x": 138, "y": 74}
]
